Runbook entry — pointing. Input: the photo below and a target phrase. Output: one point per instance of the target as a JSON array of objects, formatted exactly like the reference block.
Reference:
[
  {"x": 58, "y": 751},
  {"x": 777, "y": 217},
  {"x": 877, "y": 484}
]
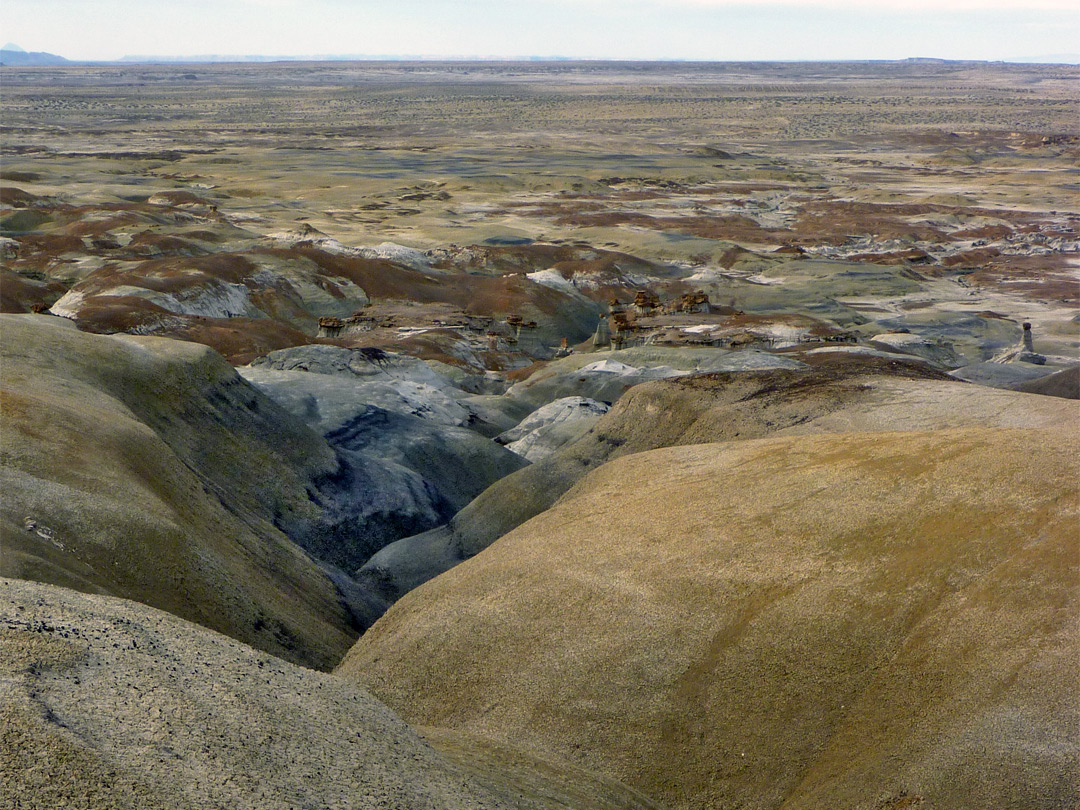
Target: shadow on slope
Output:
[{"x": 148, "y": 469}]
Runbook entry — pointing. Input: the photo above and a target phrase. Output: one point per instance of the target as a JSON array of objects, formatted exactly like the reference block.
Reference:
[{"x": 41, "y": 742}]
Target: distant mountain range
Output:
[{"x": 12, "y": 54}]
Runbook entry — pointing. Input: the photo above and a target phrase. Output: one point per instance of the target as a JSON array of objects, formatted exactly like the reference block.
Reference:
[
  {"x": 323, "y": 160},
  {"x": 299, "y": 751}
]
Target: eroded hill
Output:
[
  {"x": 825, "y": 392},
  {"x": 830, "y": 620},
  {"x": 110, "y": 704},
  {"x": 146, "y": 468}
]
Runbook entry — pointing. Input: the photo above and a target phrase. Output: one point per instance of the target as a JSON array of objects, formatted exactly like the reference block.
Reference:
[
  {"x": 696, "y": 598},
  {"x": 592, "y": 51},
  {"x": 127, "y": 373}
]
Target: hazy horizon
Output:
[
  {"x": 254, "y": 58},
  {"x": 649, "y": 30}
]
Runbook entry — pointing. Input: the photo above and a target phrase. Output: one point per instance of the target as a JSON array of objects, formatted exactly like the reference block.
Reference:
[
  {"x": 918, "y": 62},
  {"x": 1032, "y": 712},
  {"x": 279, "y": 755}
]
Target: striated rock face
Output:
[
  {"x": 147, "y": 468},
  {"x": 110, "y": 704},
  {"x": 859, "y": 620},
  {"x": 399, "y": 475}
]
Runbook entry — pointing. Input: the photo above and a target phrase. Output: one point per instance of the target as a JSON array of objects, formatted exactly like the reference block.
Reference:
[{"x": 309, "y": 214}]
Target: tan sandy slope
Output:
[
  {"x": 108, "y": 704},
  {"x": 840, "y": 392},
  {"x": 863, "y": 621}
]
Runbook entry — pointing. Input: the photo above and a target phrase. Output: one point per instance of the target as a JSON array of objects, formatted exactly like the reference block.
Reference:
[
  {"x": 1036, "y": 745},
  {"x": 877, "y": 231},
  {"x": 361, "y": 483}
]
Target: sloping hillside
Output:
[
  {"x": 147, "y": 468},
  {"x": 108, "y": 704},
  {"x": 839, "y": 393},
  {"x": 863, "y": 621}
]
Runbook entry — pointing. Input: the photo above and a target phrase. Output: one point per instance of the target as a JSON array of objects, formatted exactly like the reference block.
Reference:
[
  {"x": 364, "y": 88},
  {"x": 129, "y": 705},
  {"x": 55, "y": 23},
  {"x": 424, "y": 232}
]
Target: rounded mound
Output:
[
  {"x": 109, "y": 704},
  {"x": 796, "y": 622}
]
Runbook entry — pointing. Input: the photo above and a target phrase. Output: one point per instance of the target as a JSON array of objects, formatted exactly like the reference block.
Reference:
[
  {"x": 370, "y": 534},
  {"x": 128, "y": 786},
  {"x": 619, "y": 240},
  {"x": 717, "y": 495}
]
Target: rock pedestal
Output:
[
  {"x": 602, "y": 336},
  {"x": 1027, "y": 349}
]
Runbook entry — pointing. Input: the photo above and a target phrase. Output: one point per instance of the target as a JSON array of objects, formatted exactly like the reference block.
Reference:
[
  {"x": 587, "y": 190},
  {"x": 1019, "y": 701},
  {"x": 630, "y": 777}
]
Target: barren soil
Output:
[
  {"x": 408, "y": 260},
  {"x": 959, "y": 178}
]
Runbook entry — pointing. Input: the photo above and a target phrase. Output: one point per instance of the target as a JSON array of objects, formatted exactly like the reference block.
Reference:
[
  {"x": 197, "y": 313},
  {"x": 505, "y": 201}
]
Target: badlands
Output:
[{"x": 540, "y": 435}]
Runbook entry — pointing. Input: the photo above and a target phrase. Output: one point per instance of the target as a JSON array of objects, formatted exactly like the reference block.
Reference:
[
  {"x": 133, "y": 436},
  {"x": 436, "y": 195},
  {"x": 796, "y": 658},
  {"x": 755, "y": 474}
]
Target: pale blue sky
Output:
[{"x": 612, "y": 29}]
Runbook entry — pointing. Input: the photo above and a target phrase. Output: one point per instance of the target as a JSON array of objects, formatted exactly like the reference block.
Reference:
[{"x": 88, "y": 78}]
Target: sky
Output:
[{"x": 596, "y": 29}]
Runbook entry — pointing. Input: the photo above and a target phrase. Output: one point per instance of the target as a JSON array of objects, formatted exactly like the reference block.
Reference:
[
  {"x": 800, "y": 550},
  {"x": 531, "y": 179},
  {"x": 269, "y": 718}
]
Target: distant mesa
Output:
[{"x": 12, "y": 54}]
